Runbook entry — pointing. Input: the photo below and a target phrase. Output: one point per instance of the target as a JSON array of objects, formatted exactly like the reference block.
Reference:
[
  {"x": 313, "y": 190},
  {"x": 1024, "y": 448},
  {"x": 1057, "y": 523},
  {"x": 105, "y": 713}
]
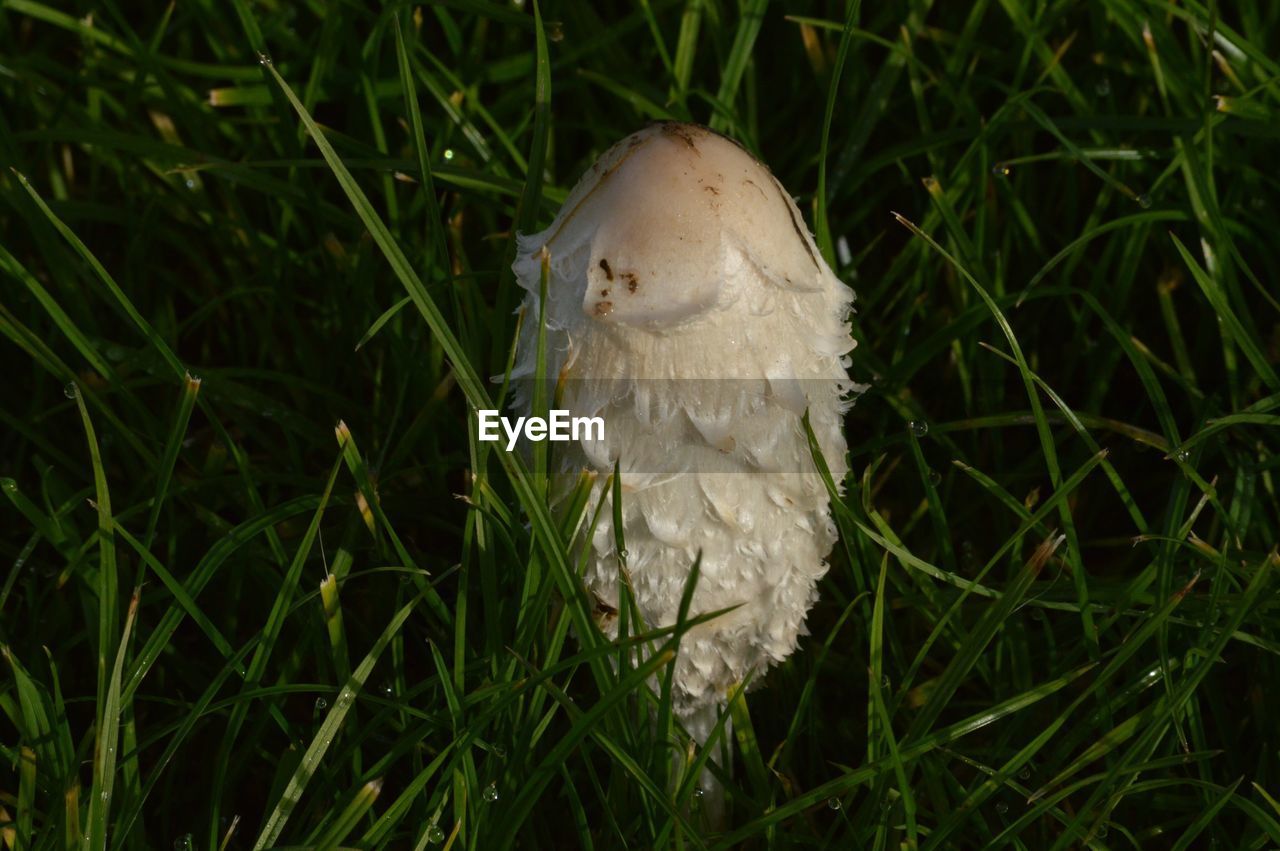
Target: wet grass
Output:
[{"x": 262, "y": 589}]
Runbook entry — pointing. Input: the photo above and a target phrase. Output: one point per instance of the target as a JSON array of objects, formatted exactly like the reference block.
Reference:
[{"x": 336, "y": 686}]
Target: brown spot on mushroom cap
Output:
[
  {"x": 633, "y": 283},
  {"x": 608, "y": 273},
  {"x": 603, "y": 308},
  {"x": 604, "y": 293},
  {"x": 684, "y": 132}
]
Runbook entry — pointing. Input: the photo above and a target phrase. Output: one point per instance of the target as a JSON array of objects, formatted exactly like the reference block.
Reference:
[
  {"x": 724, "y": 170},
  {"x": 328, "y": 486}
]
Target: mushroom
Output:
[{"x": 688, "y": 306}]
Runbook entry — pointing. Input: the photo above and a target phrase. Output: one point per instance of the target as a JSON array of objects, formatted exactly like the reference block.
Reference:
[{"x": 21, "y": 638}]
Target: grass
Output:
[{"x": 263, "y": 589}]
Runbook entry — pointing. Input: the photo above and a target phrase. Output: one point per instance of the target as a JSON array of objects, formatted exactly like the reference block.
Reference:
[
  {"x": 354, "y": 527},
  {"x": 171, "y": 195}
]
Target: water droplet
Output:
[
  {"x": 490, "y": 793},
  {"x": 70, "y": 390},
  {"x": 1000, "y": 170},
  {"x": 1025, "y": 773},
  {"x": 191, "y": 184},
  {"x": 843, "y": 253},
  {"x": 115, "y": 353},
  {"x": 321, "y": 704},
  {"x": 935, "y": 478},
  {"x": 1103, "y": 88},
  {"x": 698, "y": 793},
  {"x": 265, "y": 59},
  {"x": 918, "y": 427},
  {"x": 1002, "y": 808},
  {"x": 448, "y": 153},
  {"x": 1102, "y": 831},
  {"x": 388, "y": 690},
  {"x": 1144, "y": 201},
  {"x": 499, "y": 751},
  {"x": 555, "y": 31},
  {"x": 434, "y": 834},
  {"x": 184, "y": 843},
  {"x": 1038, "y": 614},
  {"x": 10, "y": 485},
  {"x": 624, "y": 553},
  {"x": 833, "y": 803},
  {"x": 1182, "y": 455}
]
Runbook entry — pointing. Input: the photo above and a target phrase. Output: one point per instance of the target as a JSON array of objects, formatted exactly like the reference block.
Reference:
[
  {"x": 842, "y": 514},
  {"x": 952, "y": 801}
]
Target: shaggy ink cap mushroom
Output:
[{"x": 688, "y": 307}]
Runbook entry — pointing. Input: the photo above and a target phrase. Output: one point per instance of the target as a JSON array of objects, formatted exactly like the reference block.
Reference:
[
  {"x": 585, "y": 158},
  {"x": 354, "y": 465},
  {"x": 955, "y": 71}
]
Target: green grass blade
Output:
[
  {"x": 1231, "y": 325},
  {"x": 270, "y": 636},
  {"x": 329, "y": 728},
  {"x": 735, "y": 64},
  {"x": 104, "y": 755},
  {"x": 349, "y": 818},
  {"x": 26, "y": 834},
  {"x": 108, "y": 579},
  {"x": 125, "y": 303},
  {"x": 169, "y": 459},
  {"x": 821, "y": 218}
]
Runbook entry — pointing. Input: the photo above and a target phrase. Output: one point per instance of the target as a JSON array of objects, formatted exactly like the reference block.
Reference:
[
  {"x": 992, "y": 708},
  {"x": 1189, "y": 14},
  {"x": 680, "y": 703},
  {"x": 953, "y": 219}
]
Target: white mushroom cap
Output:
[{"x": 658, "y": 210}]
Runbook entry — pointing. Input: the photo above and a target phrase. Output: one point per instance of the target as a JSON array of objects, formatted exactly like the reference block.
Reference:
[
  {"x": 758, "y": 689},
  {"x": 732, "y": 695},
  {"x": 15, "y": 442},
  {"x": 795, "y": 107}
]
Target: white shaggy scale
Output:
[{"x": 689, "y": 307}]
